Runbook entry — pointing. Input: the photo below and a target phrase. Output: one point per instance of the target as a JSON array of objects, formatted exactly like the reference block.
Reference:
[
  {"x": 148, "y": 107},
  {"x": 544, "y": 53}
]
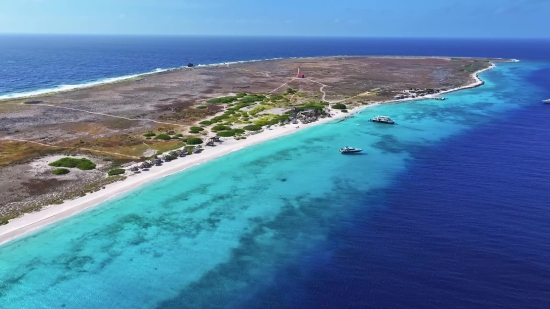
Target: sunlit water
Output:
[{"x": 230, "y": 233}]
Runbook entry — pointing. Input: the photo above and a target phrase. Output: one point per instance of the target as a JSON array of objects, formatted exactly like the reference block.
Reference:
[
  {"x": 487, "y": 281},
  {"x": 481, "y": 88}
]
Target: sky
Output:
[{"x": 357, "y": 18}]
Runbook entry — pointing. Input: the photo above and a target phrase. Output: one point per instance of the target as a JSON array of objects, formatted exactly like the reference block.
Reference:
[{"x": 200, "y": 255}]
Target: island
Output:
[{"x": 67, "y": 151}]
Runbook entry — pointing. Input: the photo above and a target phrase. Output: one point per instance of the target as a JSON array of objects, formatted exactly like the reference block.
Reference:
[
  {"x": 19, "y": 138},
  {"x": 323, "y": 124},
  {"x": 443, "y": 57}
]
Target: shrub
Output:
[
  {"x": 252, "y": 127},
  {"x": 223, "y": 100},
  {"x": 229, "y": 133},
  {"x": 339, "y": 106},
  {"x": 205, "y": 123},
  {"x": 194, "y": 141},
  {"x": 82, "y": 164},
  {"x": 252, "y": 98},
  {"x": 226, "y": 133},
  {"x": 60, "y": 171},
  {"x": 164, "y": 137},
  {"x": 258, "y": 109},
  {"x": 179, "y": 135},
  {"x": 344, "y": 110},
  {"x": 149, "y": 134},
  {"x": 220, "y": 127},
  {"x": 197, "y": 128},
  {"x": 240, "y": 95},
  {"x": 117, "y": 171},
  {"x": 202, "y": 107}
]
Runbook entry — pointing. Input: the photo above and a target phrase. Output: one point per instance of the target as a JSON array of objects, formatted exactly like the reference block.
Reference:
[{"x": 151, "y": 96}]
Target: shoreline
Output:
[
  {"x": 128, "y": 78},
  {"x": 34, "y": 221}
]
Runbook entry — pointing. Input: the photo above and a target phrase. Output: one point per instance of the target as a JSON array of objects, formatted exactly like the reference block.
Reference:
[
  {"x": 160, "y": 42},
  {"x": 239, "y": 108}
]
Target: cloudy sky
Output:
[{"x": 369, "y": 18}]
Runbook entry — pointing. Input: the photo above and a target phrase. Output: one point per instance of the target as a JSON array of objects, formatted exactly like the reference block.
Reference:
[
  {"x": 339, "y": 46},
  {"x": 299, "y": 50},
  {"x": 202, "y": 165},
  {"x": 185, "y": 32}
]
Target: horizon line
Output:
[{"x": 269, "y": 36}]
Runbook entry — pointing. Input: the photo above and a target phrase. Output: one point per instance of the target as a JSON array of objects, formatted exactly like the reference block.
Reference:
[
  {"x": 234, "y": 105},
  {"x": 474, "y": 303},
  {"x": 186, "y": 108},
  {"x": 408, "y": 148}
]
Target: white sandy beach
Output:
[{"x": 33, "y": 221}]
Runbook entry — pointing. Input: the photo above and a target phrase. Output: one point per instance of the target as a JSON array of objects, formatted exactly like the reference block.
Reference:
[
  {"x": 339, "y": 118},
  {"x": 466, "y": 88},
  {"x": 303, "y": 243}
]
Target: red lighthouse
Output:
[{"x": 300, "y": 74}]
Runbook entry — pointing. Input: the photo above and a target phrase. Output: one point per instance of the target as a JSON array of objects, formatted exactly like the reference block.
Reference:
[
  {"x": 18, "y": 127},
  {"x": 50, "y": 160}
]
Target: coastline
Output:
[
  {"x": 31, "y": 222},
  {"x": 126, "y": 78}
]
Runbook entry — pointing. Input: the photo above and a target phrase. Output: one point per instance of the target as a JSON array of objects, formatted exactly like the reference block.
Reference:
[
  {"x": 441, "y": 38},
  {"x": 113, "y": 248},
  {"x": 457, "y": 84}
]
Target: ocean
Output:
[{"x": 449, "y": 208}]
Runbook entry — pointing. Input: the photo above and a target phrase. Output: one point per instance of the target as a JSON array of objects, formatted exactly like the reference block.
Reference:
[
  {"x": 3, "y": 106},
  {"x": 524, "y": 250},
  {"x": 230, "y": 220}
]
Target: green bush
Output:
[
  {"x": 164, "y": 137},
  {"x": 339, "y": 106},
  {"x": 226, "y": 133},
  {"x": 229, "y": 133},
  {"x": 117, "y": 171},
  {"x": 241, "y": 95},
  {"x": 223, "y": 100},
  {"x": 82, "y": 164},
  {"x": 344, "y": 110},
  {"x": 252, "y": 98},
  {"x": 220, "y": 127},
  {"x": 205, "y": 123},
  {"x": 202, "y": 107},
  {"x": 149, "y": 134},
  {"x": 60, "y": 171},
  {"x": 197, "y": 128},
  {"x": 252, "y": 127},
  {"x": 179, "y": 135},
  {"x": 194, "y": 141}
]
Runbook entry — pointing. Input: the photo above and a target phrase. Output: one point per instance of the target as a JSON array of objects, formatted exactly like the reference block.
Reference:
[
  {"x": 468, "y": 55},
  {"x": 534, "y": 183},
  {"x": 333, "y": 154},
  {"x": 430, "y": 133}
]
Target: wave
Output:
[{"x": 65, "y": 88}]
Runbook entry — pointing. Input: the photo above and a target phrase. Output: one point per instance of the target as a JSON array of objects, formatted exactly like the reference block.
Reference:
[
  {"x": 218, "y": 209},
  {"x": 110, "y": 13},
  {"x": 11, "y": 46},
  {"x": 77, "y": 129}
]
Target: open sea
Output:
[{"x": 450, "y": 208}]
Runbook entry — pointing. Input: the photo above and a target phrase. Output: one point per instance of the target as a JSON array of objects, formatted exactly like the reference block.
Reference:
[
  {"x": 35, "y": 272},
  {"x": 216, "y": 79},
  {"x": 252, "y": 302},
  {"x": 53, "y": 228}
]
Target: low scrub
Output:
[
  {"x": 194, "y": 141},
  {"x": 230, "y": 133},
  {"x": 339, "y": 106},
  {"x": 205, "y": 123},
  {"x": 164, "y": 137},
  {"x": 198, "y": 129},
  {"x": 220, "y": 127},
  {"x": 60, "y": 171},
  {"x": 223, "y": 100},
  {"x": 202, "y": 107},
  {"x": 117, "y": 171},
  {"x": 252, "y": 127},
  {"x": 82, "y": 164},
  {"x": 149, "y": 134}
]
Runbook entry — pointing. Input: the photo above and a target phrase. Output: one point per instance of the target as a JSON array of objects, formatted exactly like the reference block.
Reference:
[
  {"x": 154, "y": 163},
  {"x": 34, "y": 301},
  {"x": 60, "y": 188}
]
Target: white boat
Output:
[
  {"x": 347, "y": 150},
  {"x": 546, "y": 101},
  {"x": 382, "y": 119}
]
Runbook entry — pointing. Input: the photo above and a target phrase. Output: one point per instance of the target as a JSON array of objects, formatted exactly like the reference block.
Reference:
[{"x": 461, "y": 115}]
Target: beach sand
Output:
[{"x": 33, "y": 221}]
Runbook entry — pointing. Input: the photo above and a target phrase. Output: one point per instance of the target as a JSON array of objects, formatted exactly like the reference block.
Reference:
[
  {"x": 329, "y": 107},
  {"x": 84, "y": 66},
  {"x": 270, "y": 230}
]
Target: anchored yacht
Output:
[
  {"x": 382, "y": 119},
  {"x": 347, "y": 150}
]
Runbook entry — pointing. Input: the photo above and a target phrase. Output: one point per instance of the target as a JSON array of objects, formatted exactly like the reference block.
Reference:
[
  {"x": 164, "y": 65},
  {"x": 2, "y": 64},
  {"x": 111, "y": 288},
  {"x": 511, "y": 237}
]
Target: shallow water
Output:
[{"x": 292, "y": 223}]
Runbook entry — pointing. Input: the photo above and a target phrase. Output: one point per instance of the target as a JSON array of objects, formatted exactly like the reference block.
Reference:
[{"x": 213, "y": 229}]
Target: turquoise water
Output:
[{"x": 218, "y": 233}]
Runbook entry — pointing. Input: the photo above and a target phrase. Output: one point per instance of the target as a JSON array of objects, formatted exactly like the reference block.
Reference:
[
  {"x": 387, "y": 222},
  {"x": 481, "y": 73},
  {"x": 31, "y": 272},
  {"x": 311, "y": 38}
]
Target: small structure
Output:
[
  {"x": 145, "y": 165},
  {"x": 197, "y": 149},
  {"x": 157, "y": 161},
  {"x": 134, "y": 169},
  {"x": 182, "y": 152},
  {"x": 300, "y": 74}
]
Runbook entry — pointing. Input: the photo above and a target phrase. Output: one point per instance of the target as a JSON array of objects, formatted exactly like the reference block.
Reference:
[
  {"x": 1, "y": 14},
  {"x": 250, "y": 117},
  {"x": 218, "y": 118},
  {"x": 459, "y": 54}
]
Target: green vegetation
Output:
[
  {"x": 197, "y": 129},
  {"x": 220, "y": 127},
  {"x": 291, "y": 91},
  {"x": 339, "y": 106},
  {"x": 269, "y": 120},
  {"x": 259, "y": 108},
  {"x": 223, "y": 100},
  {"x": 229, "y": 133},
  {"x": 179, "y": 135},
  {"x": 60, "y": 171},
  {"x": 205, "y": 123},
  {"x": 82, "y": 164},
  {"x": 194, "y": 141},
  {"x": 163, "y": 136},
  {"x": 252, "y": 98},
  {"x": 202, "y": 107},
  {"x": 252, "y": 127},
  {"x": 241, "y": 95},
  {"x": 117, "y": 171},
  {"x": 149, "y": 134}
]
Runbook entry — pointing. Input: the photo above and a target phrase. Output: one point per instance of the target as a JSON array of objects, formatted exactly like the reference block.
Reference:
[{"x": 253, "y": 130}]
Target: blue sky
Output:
[{"x": 370, "y": 18}]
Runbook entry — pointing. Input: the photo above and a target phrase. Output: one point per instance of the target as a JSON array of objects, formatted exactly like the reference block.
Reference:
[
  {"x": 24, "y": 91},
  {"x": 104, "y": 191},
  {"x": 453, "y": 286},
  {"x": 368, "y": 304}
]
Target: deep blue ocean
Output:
[{"x": 450, "y": 208}]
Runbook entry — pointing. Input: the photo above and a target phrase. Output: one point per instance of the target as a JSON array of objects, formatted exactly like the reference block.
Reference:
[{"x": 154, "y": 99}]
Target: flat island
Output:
[{"x": 63, "y": 152}]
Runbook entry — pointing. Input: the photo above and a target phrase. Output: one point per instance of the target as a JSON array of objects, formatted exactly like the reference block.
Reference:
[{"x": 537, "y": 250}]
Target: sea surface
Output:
[{"x": 449, "y": 208}]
